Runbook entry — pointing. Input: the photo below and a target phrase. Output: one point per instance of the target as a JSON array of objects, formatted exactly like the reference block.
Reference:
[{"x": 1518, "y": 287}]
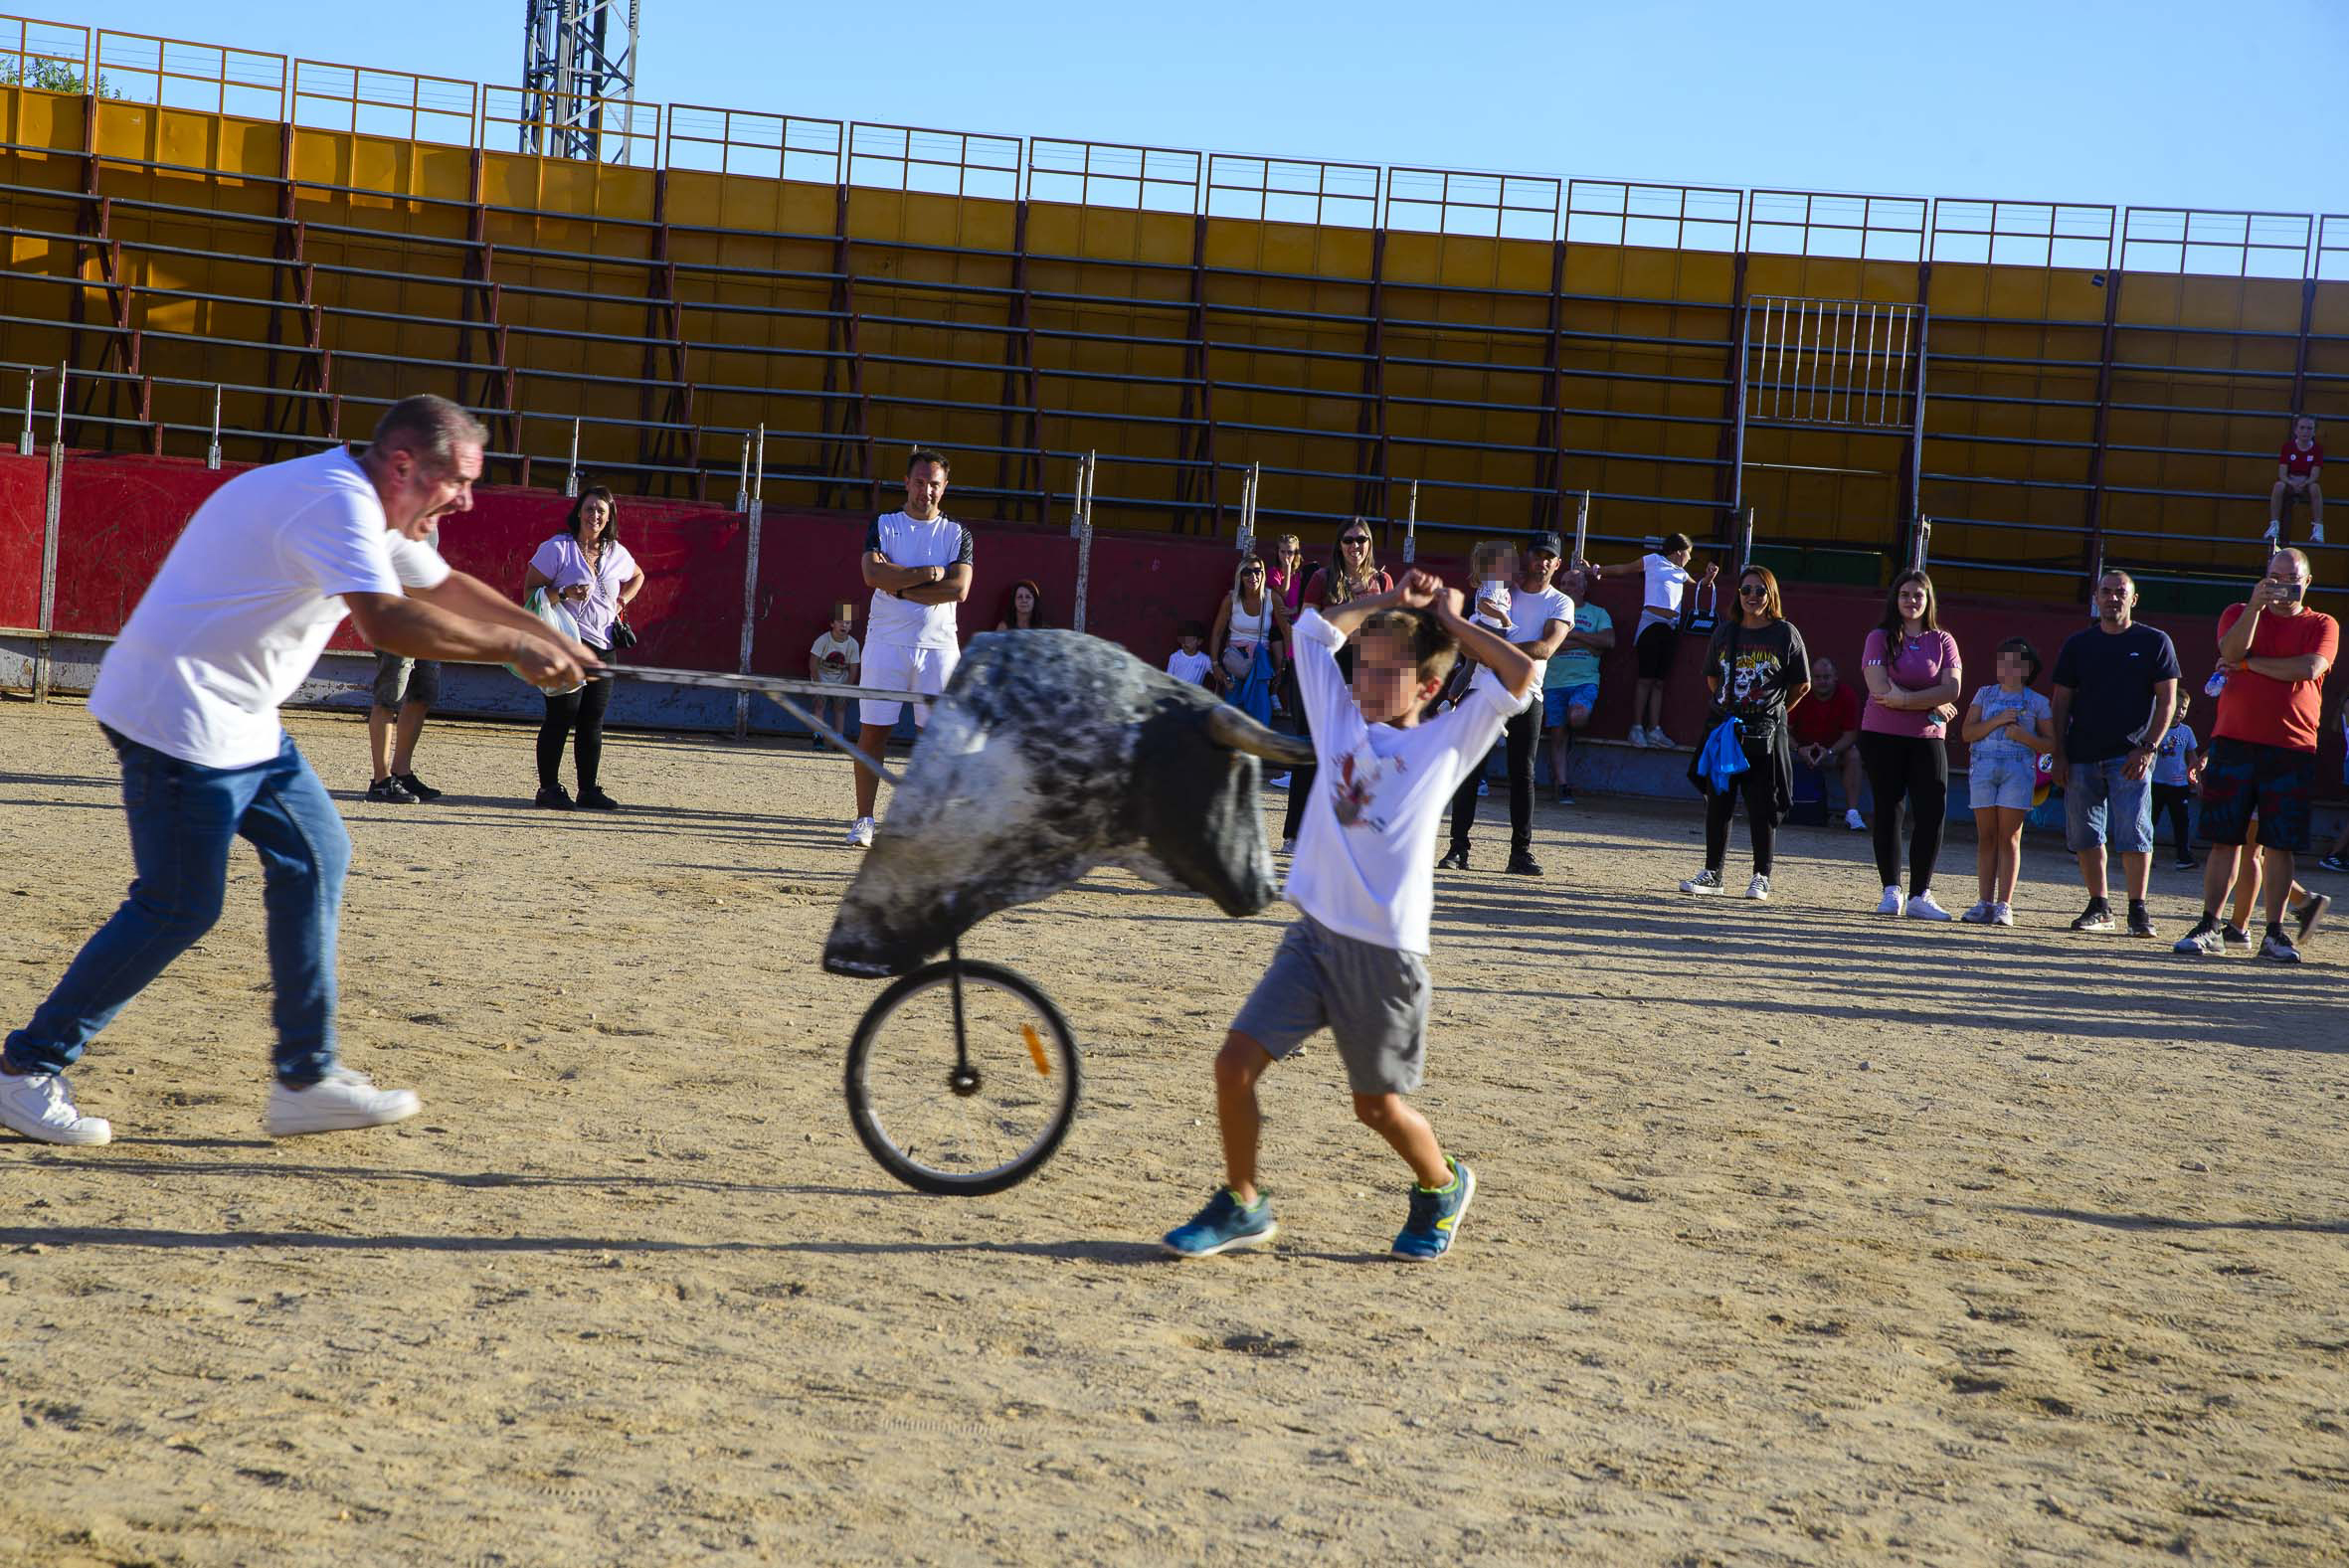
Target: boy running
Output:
[{"x": 1356, "y": 959}]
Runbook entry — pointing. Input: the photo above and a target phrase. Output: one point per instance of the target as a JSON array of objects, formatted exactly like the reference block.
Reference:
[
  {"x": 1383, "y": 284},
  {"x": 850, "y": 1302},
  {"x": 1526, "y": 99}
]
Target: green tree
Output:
[{"x": 51, "y": 76}]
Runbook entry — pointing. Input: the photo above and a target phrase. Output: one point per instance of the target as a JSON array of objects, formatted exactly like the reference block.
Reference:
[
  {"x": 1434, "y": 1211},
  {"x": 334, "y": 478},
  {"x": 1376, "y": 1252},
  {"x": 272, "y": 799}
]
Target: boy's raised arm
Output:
[{"x": 1424, "y": 591}]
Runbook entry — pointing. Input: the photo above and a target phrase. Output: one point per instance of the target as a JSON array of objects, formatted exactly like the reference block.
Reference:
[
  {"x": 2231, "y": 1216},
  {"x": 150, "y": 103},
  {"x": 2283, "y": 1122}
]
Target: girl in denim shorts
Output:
[{"x": 2007, "y": 729}]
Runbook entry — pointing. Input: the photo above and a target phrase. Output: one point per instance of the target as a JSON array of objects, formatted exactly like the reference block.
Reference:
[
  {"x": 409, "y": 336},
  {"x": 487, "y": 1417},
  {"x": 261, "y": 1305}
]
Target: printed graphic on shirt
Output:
[{"x": 1354, "y": 792}]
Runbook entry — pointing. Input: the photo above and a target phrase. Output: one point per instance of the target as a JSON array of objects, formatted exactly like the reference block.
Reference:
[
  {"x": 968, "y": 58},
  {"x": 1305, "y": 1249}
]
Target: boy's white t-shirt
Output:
[
  {"x": 244, "y": 605},
  {"x": 1665, "y": 583},
  {"x": 1192, "y": 668},
  {"x": 900, "y": 622},
  {"x": 1364, "y": 865},
  {"x": 834, "y": 656}
]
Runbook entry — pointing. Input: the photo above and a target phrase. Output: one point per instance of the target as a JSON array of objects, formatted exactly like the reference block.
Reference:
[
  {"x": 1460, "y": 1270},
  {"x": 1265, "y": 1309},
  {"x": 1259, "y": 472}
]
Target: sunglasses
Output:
[
  {"x": 1251, "y": 570},
  {"x": 1356, "y": 538},
  {"x": 1752, "y": 590}
]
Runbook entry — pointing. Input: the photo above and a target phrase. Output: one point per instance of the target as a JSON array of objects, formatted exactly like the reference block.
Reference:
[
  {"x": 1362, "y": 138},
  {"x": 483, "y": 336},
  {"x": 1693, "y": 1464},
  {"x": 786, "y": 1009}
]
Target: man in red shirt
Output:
[
  {"x": 2275, "y": 652},
  {"x": 1824, "y": 728},
  {"x": 2298, "y": 467}
]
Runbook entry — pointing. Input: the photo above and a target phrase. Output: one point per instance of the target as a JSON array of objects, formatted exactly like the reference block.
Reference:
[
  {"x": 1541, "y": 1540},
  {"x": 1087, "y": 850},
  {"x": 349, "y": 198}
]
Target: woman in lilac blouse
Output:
[
  {"x": 1913, "y": 680},
  {"x": 588, "y": 552}
]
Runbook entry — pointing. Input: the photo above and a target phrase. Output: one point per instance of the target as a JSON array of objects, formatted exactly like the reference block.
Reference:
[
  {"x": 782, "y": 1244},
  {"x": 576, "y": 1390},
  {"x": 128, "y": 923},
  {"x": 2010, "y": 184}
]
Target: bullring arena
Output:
[{"x": 1804, "y": 1236}]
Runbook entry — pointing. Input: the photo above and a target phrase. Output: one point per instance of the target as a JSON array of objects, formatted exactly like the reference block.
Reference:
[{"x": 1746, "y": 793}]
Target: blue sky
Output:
[{"x": 2157, "y": 103}]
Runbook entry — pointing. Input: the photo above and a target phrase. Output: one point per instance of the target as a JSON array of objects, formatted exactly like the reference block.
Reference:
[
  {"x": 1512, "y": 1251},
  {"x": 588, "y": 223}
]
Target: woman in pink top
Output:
[{"x": 1913, "y": 680}]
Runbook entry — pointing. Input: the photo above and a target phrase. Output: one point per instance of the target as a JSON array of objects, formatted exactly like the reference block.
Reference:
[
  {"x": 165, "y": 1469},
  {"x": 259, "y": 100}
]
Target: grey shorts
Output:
[
  {"x": 1373, "y": 999},
  {"x": 399, "y": 681}
]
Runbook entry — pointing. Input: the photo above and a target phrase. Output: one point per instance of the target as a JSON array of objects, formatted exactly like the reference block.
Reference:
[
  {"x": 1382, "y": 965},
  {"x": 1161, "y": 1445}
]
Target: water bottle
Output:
[{"x": 2215, "y": 684}]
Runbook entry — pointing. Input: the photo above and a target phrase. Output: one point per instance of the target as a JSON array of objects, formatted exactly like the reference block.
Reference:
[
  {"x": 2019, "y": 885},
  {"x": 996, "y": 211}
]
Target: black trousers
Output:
[
  {"x": 1915, "y": 768},
  {"x": 2170, "y": 800},
  {"x": 1758, "y": 786},
  {"x": 580, "y": 712},
  {"x": 1522, "y": 736}
]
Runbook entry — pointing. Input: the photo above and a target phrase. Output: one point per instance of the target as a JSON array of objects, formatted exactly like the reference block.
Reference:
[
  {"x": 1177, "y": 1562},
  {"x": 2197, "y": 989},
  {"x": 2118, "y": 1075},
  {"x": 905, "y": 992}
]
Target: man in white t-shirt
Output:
[
  {"x": 917, "y": 561},
  {"x": 188, "y": 697},
  {"x": 1538, "y": 620}
]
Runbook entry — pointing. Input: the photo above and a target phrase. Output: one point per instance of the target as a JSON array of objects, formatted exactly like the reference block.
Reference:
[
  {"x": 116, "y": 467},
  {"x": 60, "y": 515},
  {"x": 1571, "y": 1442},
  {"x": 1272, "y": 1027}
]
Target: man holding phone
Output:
[{"x": 2275, "y": 652}]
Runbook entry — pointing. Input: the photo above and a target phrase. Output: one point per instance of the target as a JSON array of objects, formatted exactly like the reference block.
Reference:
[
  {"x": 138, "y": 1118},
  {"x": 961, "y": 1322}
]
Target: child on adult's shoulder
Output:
[
  {"x": 2007, "y": 729},
  {"x": 1355, "y": 959},
  {"x": 1189, "y": 660},
  {"x": 835, "y": 660},
  {"x": 2177, "y": 775}
]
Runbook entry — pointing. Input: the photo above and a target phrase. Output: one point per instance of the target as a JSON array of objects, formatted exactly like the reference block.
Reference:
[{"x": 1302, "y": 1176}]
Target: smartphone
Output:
[{"x": 2289, "y": 590}]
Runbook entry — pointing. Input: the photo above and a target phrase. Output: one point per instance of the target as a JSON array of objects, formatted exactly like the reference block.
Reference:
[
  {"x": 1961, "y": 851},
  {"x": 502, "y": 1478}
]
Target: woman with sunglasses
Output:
[
  {"x": 1250, "y": 630},
  {"x": 1756, "y": 667},
  {"x": 1353, "y": 572}
]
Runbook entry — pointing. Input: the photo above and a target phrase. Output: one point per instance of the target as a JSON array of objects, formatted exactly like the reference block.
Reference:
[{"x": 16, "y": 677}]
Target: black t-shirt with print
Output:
[{"x": 1756, "y": 670}]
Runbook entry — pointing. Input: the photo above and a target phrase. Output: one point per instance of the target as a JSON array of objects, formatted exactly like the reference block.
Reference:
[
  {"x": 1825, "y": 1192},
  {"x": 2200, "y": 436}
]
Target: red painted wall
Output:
[{"x": 121, "y": 514}]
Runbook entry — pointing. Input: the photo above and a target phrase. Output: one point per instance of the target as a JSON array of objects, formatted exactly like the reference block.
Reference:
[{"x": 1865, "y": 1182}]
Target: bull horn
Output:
[{"x": 1229, "y": 727}]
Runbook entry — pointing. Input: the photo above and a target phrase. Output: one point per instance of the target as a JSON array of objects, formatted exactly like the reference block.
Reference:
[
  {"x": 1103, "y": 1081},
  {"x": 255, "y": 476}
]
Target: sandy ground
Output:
[{"x": 1803, "y": 1237}]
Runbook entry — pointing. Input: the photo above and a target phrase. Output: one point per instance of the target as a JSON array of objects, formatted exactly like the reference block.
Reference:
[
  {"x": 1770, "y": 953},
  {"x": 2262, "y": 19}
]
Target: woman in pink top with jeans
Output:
[{"x": 1913, "y": 680}]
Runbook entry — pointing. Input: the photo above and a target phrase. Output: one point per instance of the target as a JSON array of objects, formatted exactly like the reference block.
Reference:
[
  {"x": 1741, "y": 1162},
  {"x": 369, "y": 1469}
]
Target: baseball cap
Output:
[{"x": 1543, "y": 540}]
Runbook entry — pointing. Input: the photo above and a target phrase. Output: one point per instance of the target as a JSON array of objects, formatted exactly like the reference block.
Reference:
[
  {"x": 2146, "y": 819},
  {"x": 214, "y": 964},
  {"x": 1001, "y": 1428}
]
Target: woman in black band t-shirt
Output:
[{"x": 1756, "y": 668}]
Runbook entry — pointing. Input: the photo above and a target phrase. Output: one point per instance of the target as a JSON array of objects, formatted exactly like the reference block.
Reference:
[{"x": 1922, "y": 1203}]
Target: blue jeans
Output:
[
  {"x": 2100, "y": 796},
  {"x": 183, "y": 818}
]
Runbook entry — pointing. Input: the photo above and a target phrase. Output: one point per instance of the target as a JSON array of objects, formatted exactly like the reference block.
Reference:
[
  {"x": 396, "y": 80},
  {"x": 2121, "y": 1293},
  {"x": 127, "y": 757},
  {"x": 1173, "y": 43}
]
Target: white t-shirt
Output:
[
  {"x": 1365, "y": 863},
  {"x": 1665, "y": 583},
  {"x": 834, "y": 657},
  {"x": 245, "y": 602},
  {"x": 939, "y": 542},
  {"x": 1530, "y": 616},
  {"x": 1192, "y": 668}
]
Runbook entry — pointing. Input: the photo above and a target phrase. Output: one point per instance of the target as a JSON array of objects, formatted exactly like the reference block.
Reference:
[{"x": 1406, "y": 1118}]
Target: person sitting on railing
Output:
[{"x": 2298, "y": 467}]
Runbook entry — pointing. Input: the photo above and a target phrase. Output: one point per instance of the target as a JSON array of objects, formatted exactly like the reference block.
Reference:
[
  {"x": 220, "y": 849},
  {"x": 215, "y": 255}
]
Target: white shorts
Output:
[{"x": 893, "y": 669}]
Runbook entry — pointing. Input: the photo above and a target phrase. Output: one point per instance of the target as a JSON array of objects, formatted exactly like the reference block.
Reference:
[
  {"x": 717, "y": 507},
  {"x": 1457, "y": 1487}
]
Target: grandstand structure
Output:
[{"x": 229, "y": 250}]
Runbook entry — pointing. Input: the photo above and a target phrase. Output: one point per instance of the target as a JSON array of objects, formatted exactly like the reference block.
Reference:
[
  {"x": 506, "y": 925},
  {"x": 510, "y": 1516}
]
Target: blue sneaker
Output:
[
  {"x": 1435, "y": 1216},
  {"x": 1224, "y": 1224}
]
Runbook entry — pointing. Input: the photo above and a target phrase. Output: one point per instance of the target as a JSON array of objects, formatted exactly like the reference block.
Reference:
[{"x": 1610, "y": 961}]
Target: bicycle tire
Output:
[{"x": 1053, "y": 1037}]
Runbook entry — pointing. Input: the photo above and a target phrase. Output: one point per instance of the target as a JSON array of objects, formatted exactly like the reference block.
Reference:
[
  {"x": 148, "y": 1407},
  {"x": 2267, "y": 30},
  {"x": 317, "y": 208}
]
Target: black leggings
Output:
[
  {"x": 2170, "y": 800},
  {"x": 1914, "y": 767},
  {"x": 1758, "y": 784},
  {"x": 1524, "y": 734},
  {"x": 583, "y": 709}
]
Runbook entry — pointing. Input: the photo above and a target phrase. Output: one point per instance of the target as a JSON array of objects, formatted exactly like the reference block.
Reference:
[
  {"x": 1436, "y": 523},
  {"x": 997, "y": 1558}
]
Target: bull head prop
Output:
[{"x": 1051, "y": 753}]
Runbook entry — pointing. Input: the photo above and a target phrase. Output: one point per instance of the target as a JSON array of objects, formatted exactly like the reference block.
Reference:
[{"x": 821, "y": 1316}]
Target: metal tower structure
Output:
[{"x": 578, "y": 57}]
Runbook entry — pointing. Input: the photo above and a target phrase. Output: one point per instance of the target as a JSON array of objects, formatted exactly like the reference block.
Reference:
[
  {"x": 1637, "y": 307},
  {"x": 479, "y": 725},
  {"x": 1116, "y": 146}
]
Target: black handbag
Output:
[
  {"x": 621, "y": 637},
  {"x": 1700, "y": 611}
]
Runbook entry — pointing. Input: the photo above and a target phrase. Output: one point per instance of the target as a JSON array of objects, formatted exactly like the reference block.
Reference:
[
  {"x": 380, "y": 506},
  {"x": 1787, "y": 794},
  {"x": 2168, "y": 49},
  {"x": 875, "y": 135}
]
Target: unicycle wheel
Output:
[{"x": 971, "y": 1122}]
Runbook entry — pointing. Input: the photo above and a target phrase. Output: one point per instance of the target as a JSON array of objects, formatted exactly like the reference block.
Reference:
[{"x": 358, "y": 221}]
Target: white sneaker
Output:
[
  {"x": 1638, "y": 735},
  {"x": 2275, "y": 527},
  {"x": 1979, "y": 914},
  {"x": 1705, "y": 882},
  {"x": 1890, "y": 903},
  {"x": 1923, "y": 907},
  {"x": 1854, "y": 822},
  {"x": 41, "y": 1106},
  {"x": 2002, "y": 914},
  {"x": 1758, "y": 889},
  {"x": 1277, "y": 781},
  {"x": 860, "y": 833},
  {"x": 339, "y": 1103},
  {"x": 1661, "y": 742},
  {"x": 2316, "y": 533}
]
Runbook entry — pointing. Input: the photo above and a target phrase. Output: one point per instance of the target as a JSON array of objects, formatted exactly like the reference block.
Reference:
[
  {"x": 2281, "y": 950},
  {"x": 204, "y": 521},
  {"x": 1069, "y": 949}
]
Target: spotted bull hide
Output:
[{"x": 1050, "y": 753}]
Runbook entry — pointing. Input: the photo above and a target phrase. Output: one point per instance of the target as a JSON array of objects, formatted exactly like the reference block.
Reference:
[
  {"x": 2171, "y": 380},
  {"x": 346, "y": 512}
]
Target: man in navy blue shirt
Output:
[{"x": 2115, "y": 687}]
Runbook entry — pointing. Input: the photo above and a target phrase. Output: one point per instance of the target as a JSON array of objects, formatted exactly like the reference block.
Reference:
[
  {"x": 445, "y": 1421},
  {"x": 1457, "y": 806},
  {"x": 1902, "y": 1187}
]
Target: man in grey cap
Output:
[{"x": 1539, "y": 619}]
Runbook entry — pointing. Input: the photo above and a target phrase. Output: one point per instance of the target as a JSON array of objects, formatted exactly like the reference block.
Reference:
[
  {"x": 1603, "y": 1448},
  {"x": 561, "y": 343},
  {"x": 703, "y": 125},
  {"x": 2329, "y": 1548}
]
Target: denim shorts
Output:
[
  {"x": 2008, "y": 782},
  {"x": 2102, "y": 802},
  {"x": 1558, "y": 699}
]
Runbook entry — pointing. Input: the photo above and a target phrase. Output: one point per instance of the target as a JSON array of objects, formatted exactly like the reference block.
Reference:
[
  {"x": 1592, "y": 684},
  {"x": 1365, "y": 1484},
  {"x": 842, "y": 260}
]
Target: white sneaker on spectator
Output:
[
  {"x": 1758, "y": 889},
  {"x": 2275, "y": 527},
  {"x": 1854, "y": 820},
  {"x": 1890, "y": 903},
  {"x": 41, "y": 1106},
  {"x": 1705, "y": 882},
  {"x": 341, "y": 1102},
  {"x": 1638, "y": 735},
  {"x": 860, "y": 833},
  {"x": 1923, "y": 907},
  {"x": 2316, "y": 533},
  {"x": 1659, "y": 741},
  {"x": 2002, "y": 914},
  {"x": 1979, "y": 914}
]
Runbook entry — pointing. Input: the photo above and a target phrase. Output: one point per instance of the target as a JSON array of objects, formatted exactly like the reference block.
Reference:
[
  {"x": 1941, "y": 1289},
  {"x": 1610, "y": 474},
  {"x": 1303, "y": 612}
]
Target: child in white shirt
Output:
[
  {"x": 1189, "y": 661},
  {"x": 1354, "y": 961},
  {"x": 835, "y": 660}
]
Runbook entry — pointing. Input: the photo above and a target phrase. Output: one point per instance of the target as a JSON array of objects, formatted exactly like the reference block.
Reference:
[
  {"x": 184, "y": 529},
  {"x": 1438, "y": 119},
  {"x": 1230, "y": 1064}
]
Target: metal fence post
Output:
[
  {"x": 1581, "y": 531},
  {"x": 212, "y": 452},
  {"x": 571, "y": 477},
  {"x": 749, "y": 584},
  {"x": 52, "y": 509},
  {"x": 24, "y": 437},
  {"x": 1082, "y": 527},
  {"x": 1411, "y": 525}
]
